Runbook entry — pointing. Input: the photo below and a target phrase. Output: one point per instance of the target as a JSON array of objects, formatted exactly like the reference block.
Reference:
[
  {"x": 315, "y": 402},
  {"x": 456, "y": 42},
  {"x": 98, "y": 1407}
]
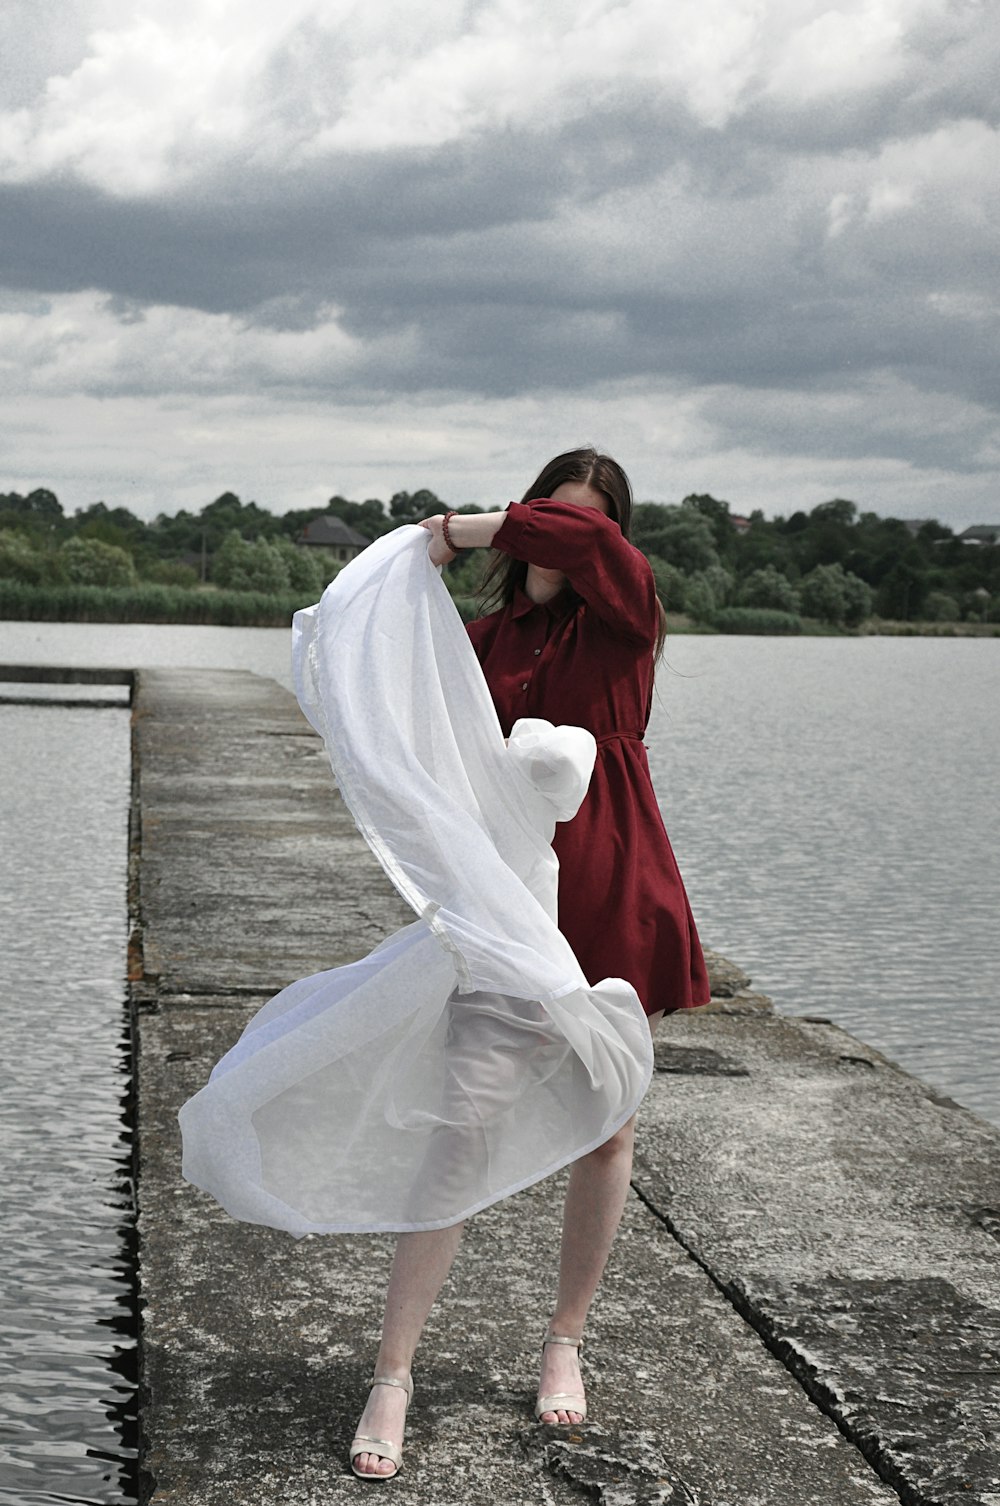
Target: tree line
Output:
[{"x": 835, "y": 563}]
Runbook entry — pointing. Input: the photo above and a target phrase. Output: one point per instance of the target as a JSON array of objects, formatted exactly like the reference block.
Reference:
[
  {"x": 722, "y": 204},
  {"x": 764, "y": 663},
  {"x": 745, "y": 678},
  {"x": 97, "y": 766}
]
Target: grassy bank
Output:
[
  {"x": 811, "y": 627},
  {"x": 144, "y": 603},
  {"x": 20, "y": 602},
  {"x": 929, "y": 629}
]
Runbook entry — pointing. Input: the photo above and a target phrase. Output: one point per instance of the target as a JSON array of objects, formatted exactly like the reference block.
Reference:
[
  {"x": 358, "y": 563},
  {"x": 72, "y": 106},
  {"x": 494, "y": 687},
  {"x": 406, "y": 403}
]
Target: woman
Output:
[{"x": 575, "y": 641}]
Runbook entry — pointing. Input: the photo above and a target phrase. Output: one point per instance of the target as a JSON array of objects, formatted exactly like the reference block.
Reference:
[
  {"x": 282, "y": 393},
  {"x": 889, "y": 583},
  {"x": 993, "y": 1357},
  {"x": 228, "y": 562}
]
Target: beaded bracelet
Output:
[{"x": 446, "y": 531}]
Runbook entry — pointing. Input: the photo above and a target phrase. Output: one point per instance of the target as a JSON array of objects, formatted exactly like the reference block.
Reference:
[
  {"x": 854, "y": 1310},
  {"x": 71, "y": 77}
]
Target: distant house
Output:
[
  {"x": 742, "y": 525},
  {"x": 981, "y": 533},
  {"x": 337, "y": 539},
  {"x": 914, "y": 525}
]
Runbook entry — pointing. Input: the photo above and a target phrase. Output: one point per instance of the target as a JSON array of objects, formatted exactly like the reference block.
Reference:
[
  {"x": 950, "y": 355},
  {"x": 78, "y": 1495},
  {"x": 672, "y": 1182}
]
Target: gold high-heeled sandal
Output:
[
  {"x": 562, "y": 1401},
  {"x": 362, "y": 1443}
]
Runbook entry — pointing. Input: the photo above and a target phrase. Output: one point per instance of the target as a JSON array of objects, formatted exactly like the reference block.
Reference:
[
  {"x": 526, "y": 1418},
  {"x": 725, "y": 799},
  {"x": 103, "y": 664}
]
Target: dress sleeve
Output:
[{"x": 613, "y": 577}]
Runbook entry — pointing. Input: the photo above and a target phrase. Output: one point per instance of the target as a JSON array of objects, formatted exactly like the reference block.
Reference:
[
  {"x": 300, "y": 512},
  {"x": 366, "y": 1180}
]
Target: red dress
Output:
[{"x": 589, "y": 662}]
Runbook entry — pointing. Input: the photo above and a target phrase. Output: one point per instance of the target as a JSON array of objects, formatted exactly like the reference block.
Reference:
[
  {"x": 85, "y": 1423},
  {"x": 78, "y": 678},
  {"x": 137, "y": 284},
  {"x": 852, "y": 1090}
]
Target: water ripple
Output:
[
  {"x": 64, "y": 1347},
  {"x": 832, "y": 806}
]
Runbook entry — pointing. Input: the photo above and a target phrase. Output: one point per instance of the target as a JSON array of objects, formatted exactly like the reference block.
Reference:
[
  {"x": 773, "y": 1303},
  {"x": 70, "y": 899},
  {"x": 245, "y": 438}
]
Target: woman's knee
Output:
[{"x": 619, "y": 1144}]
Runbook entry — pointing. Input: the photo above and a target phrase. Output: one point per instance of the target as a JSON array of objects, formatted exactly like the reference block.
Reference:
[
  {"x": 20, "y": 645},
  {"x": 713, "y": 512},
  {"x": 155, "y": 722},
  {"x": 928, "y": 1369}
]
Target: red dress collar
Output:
[{"x": 557, "y": 605}]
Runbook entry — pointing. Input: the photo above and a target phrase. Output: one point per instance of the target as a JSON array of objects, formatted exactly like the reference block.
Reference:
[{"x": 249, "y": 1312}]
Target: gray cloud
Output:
[{"x": 813, "y": 246}]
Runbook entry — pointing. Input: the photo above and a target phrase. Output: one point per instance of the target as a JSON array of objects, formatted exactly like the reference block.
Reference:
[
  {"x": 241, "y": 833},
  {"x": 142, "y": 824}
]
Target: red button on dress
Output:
[{"x": 622, "y": 903}]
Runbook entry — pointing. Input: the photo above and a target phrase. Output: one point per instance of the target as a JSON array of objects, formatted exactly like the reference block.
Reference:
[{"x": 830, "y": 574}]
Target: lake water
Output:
[
  {"x": 832, "y": 804},
  {"x": 67, "y": 1387}
]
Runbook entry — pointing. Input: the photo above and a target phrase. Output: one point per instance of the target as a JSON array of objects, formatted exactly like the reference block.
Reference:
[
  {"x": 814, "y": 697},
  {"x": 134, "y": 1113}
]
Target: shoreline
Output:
[{"x": 231, "y": 611}]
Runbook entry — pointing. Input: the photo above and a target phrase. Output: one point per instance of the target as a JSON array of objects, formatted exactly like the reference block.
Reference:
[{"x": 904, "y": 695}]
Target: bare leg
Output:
[
  {"x": 421, "y": 1263},
  {"x": 595, "y": 1198}
]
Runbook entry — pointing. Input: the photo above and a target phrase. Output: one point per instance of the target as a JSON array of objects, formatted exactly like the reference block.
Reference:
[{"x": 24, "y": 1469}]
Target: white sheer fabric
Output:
[{"x": 466, "y": 1057}]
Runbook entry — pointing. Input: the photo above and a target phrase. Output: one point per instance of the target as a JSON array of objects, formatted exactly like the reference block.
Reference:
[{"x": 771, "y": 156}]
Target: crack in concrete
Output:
[{"x": 797, "y": 1366}]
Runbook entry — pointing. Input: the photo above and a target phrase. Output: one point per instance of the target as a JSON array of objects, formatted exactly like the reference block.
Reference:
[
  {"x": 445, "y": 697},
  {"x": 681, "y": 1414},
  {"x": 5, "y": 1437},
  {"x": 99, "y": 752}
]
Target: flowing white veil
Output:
[{"x": 467, "y": 1056}]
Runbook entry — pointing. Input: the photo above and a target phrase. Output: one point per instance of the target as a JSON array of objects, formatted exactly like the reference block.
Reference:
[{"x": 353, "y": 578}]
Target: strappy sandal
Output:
[
  {"x": 562, "y": 1401},
  {"x": 361, "y": 1443}
]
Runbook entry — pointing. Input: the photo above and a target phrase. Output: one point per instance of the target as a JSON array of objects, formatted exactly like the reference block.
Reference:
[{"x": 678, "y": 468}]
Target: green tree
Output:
[
  {"x": 38, "y": 516},
  {"x": 766, "y": 543},
  {"x": 721, "y": 582},
  {"x": 828, "y": 536},
  {"x": 839, "y": 513},
  {"x": 902, "y": 592},
  {"x": 670, "y": 583},
  {"x": 768, "y": 588},
  {"x": 463, "y": 576},
  {"x": 940, "y": 607},
  {"x": 718, "y": 516},
  {"x": 43, "y": 505},
  {"x": 112, "y": 525},
  {"x": 410, "y": 507},
  {"x": 699, "y": 598},
  {"x": 683, "y": 536},
  {"x": 228, "y": 512},
  {"x": 830, "y": 593},
  {"x": 305, "y": 572},
  {"x": 21, "y": 560},
  {"x": 170, "y": 573},
  {"x": 976, "y": 605},
  {"x": 91, "y": 562},
  {"x": 179, "y": 533},
  {"x": 823, "y": 595},
  {"x": 860, "y": 599},
  {"x": 241, "y": 565}
]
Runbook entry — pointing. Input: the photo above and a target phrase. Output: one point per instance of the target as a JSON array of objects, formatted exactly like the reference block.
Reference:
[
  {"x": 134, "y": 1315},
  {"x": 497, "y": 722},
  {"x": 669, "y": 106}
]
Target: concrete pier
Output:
[{"x": 802, "y": 1307}]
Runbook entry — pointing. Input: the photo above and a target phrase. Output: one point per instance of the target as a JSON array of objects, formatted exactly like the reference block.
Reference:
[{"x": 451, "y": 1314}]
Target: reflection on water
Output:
[
  {"x": 66, "y": 1360},
  {"x": 831, "y": 802}
]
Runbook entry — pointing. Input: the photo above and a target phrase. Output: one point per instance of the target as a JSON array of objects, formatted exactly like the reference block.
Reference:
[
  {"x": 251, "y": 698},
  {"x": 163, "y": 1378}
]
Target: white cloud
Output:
[
  {"x": 84, "y": 344},
  {"x": 953, "y": 169},
  {"x": 886, "y": 198},
  {"x": 156, "y": 96},
  {"x": 523, "y": 64},
  {"x": 845, "y": 49},
  {"x": 165, "y": 93}
]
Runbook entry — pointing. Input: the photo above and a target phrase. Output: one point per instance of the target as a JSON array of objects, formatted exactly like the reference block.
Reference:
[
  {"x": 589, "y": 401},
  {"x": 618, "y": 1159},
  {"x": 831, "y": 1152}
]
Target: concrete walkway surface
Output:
[{"x": 803, "y": 1304}]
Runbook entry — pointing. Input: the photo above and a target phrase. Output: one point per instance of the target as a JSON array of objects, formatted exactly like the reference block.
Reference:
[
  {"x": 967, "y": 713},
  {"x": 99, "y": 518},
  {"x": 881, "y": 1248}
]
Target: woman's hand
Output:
[{"x": 437, "y": 550}]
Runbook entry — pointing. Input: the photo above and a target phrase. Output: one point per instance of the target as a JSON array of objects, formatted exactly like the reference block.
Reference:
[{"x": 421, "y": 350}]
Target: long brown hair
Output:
[{"x": 504, "y": 575}]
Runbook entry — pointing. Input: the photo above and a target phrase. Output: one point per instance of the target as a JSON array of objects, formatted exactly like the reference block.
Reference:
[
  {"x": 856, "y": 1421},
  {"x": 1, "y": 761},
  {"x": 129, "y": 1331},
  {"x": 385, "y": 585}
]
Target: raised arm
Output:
[
  {"x": 612, "y": 576},
  {"x": 469, "y": 530}
]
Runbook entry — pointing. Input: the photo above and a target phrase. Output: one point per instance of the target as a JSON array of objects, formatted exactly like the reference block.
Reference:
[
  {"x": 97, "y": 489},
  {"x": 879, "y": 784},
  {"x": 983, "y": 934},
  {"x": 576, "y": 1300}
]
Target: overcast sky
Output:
[{"x": 747, "y": 246}]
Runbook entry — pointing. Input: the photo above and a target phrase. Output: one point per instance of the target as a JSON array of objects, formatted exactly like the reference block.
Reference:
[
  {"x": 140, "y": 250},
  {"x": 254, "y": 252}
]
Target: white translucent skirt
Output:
[{"x": 467, "y": 1056}]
